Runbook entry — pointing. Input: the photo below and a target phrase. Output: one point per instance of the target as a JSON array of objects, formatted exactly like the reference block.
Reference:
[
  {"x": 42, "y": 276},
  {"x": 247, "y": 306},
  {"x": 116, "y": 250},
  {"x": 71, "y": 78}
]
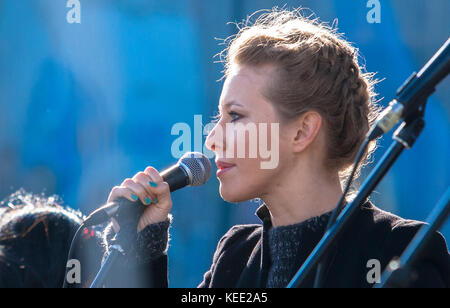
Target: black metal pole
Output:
[
  {"x": 127, "y": 217},
  {"x": 404, "y": 138},
  {"x": 100, "y": 278}
]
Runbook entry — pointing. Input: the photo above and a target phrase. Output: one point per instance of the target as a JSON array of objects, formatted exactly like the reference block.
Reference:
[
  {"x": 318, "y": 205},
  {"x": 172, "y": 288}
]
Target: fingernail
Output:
[
  {"x": 155, "y": 200},
  {"x": 134, "y": 197},
  {"x": 153, "y": 184},
  {"x": 147, "y": 200}
]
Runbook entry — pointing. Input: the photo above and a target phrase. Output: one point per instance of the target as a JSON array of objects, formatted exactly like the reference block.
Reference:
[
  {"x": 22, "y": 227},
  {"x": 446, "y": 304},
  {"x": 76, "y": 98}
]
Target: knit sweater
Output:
[{"x": 285, "y": 243}]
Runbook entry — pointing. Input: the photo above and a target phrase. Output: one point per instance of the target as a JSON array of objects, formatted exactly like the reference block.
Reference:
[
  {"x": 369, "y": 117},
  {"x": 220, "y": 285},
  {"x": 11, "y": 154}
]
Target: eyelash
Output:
[{"x": 233, "y": 114}]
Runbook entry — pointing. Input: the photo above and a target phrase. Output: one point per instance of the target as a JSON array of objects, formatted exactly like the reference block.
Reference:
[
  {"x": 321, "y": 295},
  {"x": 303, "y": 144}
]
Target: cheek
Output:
[
  {"x": 250, "y": 180},
  {"x": 251, "y": 140}
]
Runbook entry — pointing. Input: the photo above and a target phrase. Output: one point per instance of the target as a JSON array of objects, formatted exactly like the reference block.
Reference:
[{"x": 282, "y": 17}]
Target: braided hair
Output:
[{"x": 315, "y": 69}]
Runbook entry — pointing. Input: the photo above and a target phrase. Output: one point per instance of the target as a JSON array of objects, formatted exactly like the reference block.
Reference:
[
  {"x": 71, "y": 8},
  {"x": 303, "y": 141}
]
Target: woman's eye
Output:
[{"x": 234, "y": 116}]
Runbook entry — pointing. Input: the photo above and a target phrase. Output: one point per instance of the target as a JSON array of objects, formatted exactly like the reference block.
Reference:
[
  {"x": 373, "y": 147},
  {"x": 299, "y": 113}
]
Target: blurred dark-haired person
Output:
[
  {"x": 298, "y": 73},
  {"x": 35, "y": 236}
]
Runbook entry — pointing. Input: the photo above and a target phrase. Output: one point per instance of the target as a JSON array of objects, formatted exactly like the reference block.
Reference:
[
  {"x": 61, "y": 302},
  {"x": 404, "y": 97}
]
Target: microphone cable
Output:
[
  {"x": 69, "y": 255},
  {"x": 339, "y": 207}
]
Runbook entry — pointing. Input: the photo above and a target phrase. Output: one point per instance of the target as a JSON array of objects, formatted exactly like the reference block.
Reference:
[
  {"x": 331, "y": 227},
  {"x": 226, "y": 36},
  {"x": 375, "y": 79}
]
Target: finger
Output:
[
  {"x": 121, "y": 192},
  {"x": 156, "y": 180},
  {"x": 138, "y": 190},
  {"x": 154, "y": 174},
  {"x": 144, "y": 180},
  {"x": 161, "y": 190}
]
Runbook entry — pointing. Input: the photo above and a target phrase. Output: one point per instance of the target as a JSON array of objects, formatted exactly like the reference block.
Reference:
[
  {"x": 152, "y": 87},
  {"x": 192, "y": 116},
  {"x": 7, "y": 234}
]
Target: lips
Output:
[
  {"x": 222, "y": 164},
  {"x": 223, "y": 167}
]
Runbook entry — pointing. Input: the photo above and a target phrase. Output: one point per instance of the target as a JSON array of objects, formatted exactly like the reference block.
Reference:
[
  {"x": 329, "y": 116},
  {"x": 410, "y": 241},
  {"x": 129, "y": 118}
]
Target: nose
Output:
[{"x": 214, "y": 140}]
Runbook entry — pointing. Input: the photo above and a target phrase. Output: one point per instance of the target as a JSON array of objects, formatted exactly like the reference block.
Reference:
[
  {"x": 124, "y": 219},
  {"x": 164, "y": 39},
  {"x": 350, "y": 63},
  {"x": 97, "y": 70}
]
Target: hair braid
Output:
[{"x": 316, "y": 69}]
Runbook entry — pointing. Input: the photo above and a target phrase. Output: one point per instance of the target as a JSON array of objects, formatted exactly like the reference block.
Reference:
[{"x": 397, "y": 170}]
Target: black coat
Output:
[{"x": 242, "y": 257}]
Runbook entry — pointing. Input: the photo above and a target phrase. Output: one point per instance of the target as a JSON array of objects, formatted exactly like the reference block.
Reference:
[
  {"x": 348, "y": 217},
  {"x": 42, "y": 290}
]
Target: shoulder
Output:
[
  {"x": 390, "y": 222},
  {"x": 388, "y": 226},
  {"x": 241, "y": 235},
  {"x": 387, "y": 223},
  {"x": 390, "y": 235},
  {"x": 403, "y": 231}
]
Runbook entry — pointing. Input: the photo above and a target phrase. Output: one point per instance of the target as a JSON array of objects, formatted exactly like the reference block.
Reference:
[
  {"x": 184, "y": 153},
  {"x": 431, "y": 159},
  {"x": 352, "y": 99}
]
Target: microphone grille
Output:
[{"x": 199, "y": 167}]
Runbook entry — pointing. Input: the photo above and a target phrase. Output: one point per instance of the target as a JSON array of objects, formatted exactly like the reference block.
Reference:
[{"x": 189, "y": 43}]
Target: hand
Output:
[{"x": 150, "y": 188}]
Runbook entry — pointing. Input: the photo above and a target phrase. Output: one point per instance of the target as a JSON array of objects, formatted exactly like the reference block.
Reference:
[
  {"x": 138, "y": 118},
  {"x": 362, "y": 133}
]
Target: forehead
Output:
[{"x": 244, "y": 85}]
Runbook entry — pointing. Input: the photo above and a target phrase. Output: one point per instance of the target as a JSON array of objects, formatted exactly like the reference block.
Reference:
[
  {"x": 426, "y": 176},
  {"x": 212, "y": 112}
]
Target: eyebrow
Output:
[{"x": 229, "y": 104}]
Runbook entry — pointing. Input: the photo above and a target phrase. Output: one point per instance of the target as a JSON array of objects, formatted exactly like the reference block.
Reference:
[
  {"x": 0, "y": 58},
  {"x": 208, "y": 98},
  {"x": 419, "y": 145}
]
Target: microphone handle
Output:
[{"x": 176, "y": 176}]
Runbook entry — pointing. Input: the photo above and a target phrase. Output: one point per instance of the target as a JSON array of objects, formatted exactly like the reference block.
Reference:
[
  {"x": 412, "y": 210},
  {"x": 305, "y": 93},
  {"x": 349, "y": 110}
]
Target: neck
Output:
[{"x": 298, "y": 198}]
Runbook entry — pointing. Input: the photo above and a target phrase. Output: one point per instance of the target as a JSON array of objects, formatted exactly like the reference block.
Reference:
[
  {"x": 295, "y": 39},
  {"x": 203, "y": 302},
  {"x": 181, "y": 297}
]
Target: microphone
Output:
[
  {"x": 410, "y": 95},
  {"x": 192, "y": 169}
]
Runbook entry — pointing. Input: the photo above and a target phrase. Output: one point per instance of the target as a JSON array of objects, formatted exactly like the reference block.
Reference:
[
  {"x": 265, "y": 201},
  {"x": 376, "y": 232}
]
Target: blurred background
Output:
[{"x": 83, "y": 106}]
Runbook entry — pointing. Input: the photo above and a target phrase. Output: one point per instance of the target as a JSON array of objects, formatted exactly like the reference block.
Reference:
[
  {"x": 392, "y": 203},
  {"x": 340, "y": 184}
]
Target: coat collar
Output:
[
  {"x": 256, "y": 273},
  {"x": 263, "y": 214}
]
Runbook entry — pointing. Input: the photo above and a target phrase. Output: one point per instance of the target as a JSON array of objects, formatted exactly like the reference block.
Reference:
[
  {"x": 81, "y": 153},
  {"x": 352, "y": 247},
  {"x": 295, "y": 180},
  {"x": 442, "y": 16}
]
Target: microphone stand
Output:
[
  {"x": 398, "y": 273},
  {"x": 127, "y": 217},
  {"x": 410, "y": 106},
  {"x": 404, "y": 137}
]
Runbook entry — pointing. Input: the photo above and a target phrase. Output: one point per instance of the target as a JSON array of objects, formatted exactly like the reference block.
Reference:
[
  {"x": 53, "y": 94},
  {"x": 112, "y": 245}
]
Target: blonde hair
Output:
[{"x": 316, "y": 69}]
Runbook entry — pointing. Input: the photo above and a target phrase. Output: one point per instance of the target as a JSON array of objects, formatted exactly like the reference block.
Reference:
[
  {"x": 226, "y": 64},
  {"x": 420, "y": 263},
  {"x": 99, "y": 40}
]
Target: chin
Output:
[{"x": 234, "y": 193}]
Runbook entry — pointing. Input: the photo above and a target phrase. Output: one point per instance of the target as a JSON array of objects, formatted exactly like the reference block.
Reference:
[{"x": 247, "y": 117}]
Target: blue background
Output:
[{"x": 83, "y": 106}]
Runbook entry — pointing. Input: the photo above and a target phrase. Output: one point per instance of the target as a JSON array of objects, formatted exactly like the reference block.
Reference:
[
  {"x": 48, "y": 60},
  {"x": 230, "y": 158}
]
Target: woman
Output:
[{"x": 300, "y": 74}]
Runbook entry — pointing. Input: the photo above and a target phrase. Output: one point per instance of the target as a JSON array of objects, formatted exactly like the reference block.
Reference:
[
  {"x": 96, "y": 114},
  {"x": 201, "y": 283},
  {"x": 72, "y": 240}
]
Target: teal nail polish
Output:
[
  {"x": 147, "y": 200},
  {"x": 155, "y": 200},
  {"x": 134, "y": 197},
  {"x": 153, "y": 184}
]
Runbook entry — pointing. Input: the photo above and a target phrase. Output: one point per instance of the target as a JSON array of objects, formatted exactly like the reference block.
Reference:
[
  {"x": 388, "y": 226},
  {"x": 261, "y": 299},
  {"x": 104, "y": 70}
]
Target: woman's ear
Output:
[{"x": 306, "y": 129}]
